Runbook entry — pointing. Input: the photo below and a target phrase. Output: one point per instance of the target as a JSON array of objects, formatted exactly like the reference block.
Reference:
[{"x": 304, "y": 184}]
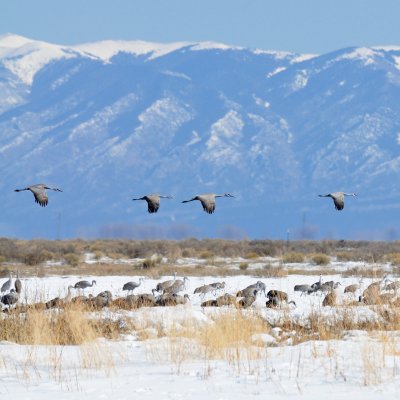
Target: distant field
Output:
[{"x": 199, "y": 257}]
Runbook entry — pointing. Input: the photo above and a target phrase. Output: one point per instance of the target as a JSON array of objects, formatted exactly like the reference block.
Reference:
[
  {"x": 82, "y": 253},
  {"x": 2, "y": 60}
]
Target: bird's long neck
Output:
[{"x": 68, "y": 297}]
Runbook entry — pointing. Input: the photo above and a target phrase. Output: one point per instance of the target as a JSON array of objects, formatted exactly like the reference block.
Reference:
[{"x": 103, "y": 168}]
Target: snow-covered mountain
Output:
[{"x": 112, "y": 120}]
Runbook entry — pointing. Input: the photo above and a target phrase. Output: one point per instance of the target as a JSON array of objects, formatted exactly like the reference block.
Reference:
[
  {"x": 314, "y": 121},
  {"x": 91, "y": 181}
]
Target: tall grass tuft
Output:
[{"x": 70, "y": 326}]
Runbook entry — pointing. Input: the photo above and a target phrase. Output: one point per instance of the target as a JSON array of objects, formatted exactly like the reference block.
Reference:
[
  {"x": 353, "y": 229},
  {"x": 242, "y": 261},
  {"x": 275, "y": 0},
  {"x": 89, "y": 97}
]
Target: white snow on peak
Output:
[
  {"x": 107, "y": 49},
  {"x": 25, "y": 57},
  {"x": 9, "y": 40},
  {"x": 213, "y": 46},
  {"x": 303, "y": 57},
  {"x": 366, "y": 54},
  {"x": 279, "y": 55},
  {"x": 387, "y": 48}
]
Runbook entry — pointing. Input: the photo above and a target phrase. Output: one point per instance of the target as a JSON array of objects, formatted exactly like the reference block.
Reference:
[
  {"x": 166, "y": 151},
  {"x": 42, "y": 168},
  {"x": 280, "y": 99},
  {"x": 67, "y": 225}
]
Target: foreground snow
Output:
[
  {"x": 330, "y": 370},
  {"x": 360, "y": 364}
]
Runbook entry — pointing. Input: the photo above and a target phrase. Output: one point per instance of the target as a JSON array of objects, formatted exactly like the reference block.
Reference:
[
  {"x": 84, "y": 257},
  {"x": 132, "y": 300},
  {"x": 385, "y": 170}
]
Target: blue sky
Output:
[{"x": 306, "y": 26}]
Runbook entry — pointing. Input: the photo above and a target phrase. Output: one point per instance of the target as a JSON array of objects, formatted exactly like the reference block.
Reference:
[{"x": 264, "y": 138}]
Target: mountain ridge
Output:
[{"x": 274, "y": 128}]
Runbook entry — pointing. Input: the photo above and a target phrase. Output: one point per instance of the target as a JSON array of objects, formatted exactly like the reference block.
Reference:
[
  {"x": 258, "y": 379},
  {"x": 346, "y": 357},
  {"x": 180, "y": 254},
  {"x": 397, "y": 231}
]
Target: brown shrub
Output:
[
  {"x": 290, "y": 258},
  {"x": 243, "y": 266},
  {"x": 72, "y": 259},
  {"x": 345, "y": 256},
  {"x": 320, "y": 259}
]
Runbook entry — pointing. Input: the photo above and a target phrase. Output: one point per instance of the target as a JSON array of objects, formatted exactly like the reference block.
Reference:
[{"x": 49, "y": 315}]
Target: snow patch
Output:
[
  {"x": 213, "y": 46},
  {"x": 303, "y": 57},
  {"x": 279, "y": 55},
  {"x": 27, "y": 60},
  {"x": 223, "y": 144},
  {"x": 176, "y": 75},
  {"x": 107, "y": 49},
  {"x": 276, "y": 71},
  {"x": 397, "y": 61},
  {"x": 11, "y": 41},
  {"x": 365, "y": 54},
  {"x": 387, "y": 48},
  {"x": 300, "y": 80},
  {"x": 195, "y": 139},
  {"x": 260, "y": 102},
  {"x": 96, "y": 126}
]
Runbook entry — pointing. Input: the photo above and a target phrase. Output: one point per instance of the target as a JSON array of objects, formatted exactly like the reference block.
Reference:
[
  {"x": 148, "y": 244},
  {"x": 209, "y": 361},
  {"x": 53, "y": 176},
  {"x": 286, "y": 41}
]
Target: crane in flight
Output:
[
  {"x": 153, "y": 201},
  {"x": 338, "y": 198},
  {"x": 39, "y": 192},
  {"x": 208, "y": 201}
]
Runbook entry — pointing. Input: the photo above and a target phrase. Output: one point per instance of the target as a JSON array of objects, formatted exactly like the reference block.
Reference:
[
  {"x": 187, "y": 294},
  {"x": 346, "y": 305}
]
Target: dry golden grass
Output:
[
  {"x": 231, "y": 338},
  {"x": 56, "y": 329},
  {"x": 35, "y": 252},
  {"x": 293, "y": 257},
  {"x": 228, "y": 338},
  {"x": 69, "y": 326},
  {"x": 234, "y": 326},
  {"x": 30, "y": 257},
  {"x": 345, "y": 256},
  {"x": 319, "y": 258},
  {"x": 393, "y": 258}
]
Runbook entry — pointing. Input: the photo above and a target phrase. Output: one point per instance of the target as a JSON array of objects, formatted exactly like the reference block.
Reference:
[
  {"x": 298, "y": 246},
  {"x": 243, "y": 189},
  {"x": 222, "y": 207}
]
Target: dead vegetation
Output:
[
  {"x": 34, "y": 252},
  {"x": 158, "y": 257},
  {"x": 71, "y": 252},
  {"x": 72, "y": 326}
]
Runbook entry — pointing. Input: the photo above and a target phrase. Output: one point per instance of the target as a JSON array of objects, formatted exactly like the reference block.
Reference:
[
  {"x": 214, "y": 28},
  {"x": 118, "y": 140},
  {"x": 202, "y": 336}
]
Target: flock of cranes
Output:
[
  {"x": 168, "y": 293},
  {"x": 153, "y": 200},
  {"x": 169, "y": 289}
]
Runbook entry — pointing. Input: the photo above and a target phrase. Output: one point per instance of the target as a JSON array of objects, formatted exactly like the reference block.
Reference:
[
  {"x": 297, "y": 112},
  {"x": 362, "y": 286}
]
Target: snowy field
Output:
[{"x": 357, "y": 364}]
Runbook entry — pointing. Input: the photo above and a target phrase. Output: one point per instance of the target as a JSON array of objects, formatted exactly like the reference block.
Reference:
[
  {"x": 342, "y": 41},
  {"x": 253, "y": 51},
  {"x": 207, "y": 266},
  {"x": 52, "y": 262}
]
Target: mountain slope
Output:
[{"x": 111, "y": 120}]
